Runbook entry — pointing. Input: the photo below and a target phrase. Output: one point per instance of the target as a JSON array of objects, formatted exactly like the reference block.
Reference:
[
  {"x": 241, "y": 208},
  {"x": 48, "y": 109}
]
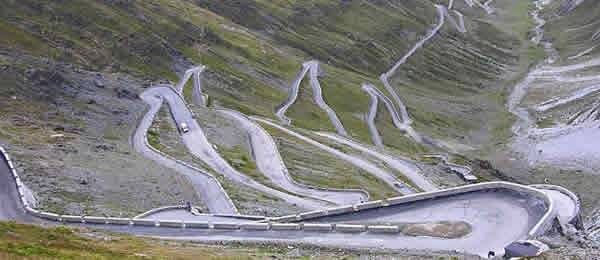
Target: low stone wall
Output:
[
  {"x": 542, "y": 226},
  {"x": 576, "y": 220}
]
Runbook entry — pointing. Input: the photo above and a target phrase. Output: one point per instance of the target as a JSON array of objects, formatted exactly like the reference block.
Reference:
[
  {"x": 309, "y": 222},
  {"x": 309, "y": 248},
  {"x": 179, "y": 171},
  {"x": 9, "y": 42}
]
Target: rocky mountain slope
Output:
[{"x": 475, "y": 81}]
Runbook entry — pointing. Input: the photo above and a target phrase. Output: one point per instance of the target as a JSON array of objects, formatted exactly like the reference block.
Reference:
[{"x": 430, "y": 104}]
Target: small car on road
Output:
[{"x": 184, "y": 128}]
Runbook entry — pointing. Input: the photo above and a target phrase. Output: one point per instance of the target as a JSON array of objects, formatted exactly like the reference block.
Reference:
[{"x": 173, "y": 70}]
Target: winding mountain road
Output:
[
  {"x": 199, "y": 146},
  {"x": 513, "y": 213},
  {"x": 199, "y": 97},
  {"x": 371, "y": 168},
  {"x": 497, "y": 215},
  {"x": 554, "y": 145},
  {"x": 410, "y": 170},
  {"x": 372, "y": 115},
  {"x": 312, "y": 67},
  {"x": 195, "y": 71},
  {"x": 270, "y": 163},
  {"x": 492, "y": 227},
  {"x": 516, "y": 211},
  {"x": 207, "y": 187},
  {"x": 577, "y": 95},
  {"x": 406, "y": 121}
]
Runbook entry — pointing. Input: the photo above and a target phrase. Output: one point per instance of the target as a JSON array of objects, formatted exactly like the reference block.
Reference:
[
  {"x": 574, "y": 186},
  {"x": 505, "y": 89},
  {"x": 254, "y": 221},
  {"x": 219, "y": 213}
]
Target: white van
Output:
[{"x": 183, "y": 127}]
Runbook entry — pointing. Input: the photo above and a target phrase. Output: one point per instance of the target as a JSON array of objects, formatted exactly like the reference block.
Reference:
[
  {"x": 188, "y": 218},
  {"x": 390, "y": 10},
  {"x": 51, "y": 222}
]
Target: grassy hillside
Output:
[
  {"x": 454, "y": 87},
  {"x": 253, "y": 49},
  {"x": 18, "y": 241},
  {"x": 573, "y": 32}
]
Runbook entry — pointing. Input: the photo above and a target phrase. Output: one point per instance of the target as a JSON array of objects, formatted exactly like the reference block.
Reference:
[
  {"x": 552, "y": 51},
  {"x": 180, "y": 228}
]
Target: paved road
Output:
[
  {"x": 10, "y": 206},
  {"x": 577, "y": 95},
  {"x": 565, "y": 206},
  {"x": 369, "y": 167},
  {"x": 199, "y": 146},
  {"x": 206, "y": 185},
  {"x": 406, "y": 121},
  {"x": 497, "y": 218},
  {"x": 567, "y": 68},
  {"x": 195, "y": 71},
  {"x": 486, "y": 6},
  {"x": 372, "y": 91},
  {"x": 294, "y": 91},
  {"x": 318, "y": 96},
  {"x": 584, "y": 52},
  {"x": 588, "y": 116},
  {"x": 269, "y": 161},
  {"x": 551, "y": 145},
  {"x": 199, "y": 98},
  {"x": 313, "y": 68},
  {"x": 372, "y": 115},
  {"x": 461, "y": 21},
  {"x": 408, "y": 169},
  {"x": 271, "y": 164}
]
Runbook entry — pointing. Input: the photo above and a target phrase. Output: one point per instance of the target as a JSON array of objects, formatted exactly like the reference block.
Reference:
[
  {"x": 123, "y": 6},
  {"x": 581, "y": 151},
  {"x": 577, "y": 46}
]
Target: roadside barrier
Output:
[
  {"x": 278, "y": 224},
  {"x": 171, "y": 223},
  {"x": 285, "y": 226},
  {"x": 542, "y": 226},
  {"x": 317, "y": 227},
  {"x": 256, "y": 226},
  {"x": 143, "y": 222},
  {"x": 344, "y": 228},
  {"x": 383, "y": 229},
  {"x": 197, "y": 224},
  {"x": 576, "y": 220}
]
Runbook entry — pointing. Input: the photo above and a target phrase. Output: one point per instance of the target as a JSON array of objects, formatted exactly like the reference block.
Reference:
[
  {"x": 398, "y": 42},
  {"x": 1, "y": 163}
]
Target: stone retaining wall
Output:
[
  {"x": 576, "y": 220},
  {"x": 543, "y": 225}
]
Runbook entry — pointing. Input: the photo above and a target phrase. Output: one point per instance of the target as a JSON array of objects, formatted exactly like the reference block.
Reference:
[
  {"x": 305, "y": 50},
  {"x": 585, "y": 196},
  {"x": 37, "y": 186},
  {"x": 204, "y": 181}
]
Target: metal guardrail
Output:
[{"x": 273, "y": 224}]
